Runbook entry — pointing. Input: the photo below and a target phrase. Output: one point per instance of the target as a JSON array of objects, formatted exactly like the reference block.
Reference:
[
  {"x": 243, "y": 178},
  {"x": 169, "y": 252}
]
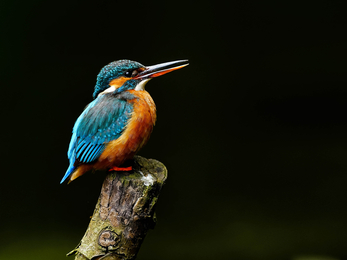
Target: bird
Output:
[{"x": 118, "y": 122}]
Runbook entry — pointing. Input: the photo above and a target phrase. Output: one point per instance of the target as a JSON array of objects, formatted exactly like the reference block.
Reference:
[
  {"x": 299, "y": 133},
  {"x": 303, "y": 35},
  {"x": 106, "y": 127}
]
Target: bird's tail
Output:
[{"x": 68, "y": 173}]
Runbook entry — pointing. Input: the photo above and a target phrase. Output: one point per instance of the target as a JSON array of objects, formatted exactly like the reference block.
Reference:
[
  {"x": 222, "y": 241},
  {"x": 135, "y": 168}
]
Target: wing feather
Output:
[{"x": 102, "y": 121}]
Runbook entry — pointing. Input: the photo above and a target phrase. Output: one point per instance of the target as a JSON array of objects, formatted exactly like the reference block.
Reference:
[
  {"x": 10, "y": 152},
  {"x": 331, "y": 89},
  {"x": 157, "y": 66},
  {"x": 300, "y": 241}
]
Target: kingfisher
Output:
[{"x": 119, "y": 120}]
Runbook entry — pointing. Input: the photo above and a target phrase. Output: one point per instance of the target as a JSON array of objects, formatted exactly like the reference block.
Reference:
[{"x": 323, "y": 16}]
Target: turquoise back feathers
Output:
[{"x": 103, "y": 120}]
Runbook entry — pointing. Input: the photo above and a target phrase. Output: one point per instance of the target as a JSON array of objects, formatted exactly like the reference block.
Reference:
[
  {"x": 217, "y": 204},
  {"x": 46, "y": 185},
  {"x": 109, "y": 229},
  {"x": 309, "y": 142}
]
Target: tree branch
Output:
[{"x": 124, "y": 213}]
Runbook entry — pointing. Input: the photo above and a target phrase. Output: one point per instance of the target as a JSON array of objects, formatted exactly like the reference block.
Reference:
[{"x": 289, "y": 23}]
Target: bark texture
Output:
[{"x": 124, "y": 213}]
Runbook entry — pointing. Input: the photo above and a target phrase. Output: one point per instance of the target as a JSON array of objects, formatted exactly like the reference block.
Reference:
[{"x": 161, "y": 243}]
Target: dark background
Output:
[{"x": 253, "y": 131}]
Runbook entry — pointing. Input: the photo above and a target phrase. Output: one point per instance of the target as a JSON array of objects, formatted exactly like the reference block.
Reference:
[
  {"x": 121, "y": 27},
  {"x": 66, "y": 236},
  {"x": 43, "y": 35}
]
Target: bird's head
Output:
[{"x": 122, "y": 75}]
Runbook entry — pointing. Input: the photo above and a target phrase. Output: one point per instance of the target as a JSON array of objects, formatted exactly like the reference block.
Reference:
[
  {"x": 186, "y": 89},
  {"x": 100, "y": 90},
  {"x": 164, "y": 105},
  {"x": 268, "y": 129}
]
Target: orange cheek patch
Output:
[{"x": 118, "y": 82}]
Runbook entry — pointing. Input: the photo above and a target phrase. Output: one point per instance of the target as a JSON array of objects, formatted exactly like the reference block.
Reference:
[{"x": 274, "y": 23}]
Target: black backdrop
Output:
[{"x": 253, "y": 131}]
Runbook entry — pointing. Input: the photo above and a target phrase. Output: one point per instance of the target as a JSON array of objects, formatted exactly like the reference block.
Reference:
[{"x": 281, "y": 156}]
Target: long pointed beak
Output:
[{"x": 161, "y": 69}]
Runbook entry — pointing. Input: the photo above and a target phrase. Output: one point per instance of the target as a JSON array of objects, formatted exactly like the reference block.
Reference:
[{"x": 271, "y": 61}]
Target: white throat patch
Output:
[
  {"x": 142, "y": 84},
  {"x": 110, "y": 89}
]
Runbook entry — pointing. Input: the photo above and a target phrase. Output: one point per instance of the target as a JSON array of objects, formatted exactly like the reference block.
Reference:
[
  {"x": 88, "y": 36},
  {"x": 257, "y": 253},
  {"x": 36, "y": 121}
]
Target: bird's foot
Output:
[{"x": 121, "y": 169}]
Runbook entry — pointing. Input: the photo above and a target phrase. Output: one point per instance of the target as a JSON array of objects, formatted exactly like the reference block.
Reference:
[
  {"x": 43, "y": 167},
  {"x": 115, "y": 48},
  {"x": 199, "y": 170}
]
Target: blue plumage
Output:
[{"x": 102, "y": 121}]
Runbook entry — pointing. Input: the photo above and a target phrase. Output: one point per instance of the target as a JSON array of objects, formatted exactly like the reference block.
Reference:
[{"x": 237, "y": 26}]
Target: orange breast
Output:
[{"x": 136, "y": 133}]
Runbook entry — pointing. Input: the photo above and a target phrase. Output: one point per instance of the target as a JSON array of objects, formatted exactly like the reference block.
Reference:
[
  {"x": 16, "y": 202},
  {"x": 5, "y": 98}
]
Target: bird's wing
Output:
[{"x": 102, "y": 121}]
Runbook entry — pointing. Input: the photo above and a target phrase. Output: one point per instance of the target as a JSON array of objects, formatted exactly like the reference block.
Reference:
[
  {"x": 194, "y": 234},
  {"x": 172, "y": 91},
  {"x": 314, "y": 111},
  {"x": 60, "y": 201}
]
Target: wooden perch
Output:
[{"x": 124, "y": 213}]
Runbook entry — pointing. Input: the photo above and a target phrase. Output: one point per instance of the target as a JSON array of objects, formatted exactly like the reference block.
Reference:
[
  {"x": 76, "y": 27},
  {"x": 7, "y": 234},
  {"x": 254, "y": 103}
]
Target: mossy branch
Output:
[{"x": 124, "y": 213}]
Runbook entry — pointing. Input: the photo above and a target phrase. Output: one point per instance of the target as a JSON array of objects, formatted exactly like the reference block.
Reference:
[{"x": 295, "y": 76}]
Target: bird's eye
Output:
[
  {"x": 131, "y": 73},
  {"x": 127, "y": 74}
]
